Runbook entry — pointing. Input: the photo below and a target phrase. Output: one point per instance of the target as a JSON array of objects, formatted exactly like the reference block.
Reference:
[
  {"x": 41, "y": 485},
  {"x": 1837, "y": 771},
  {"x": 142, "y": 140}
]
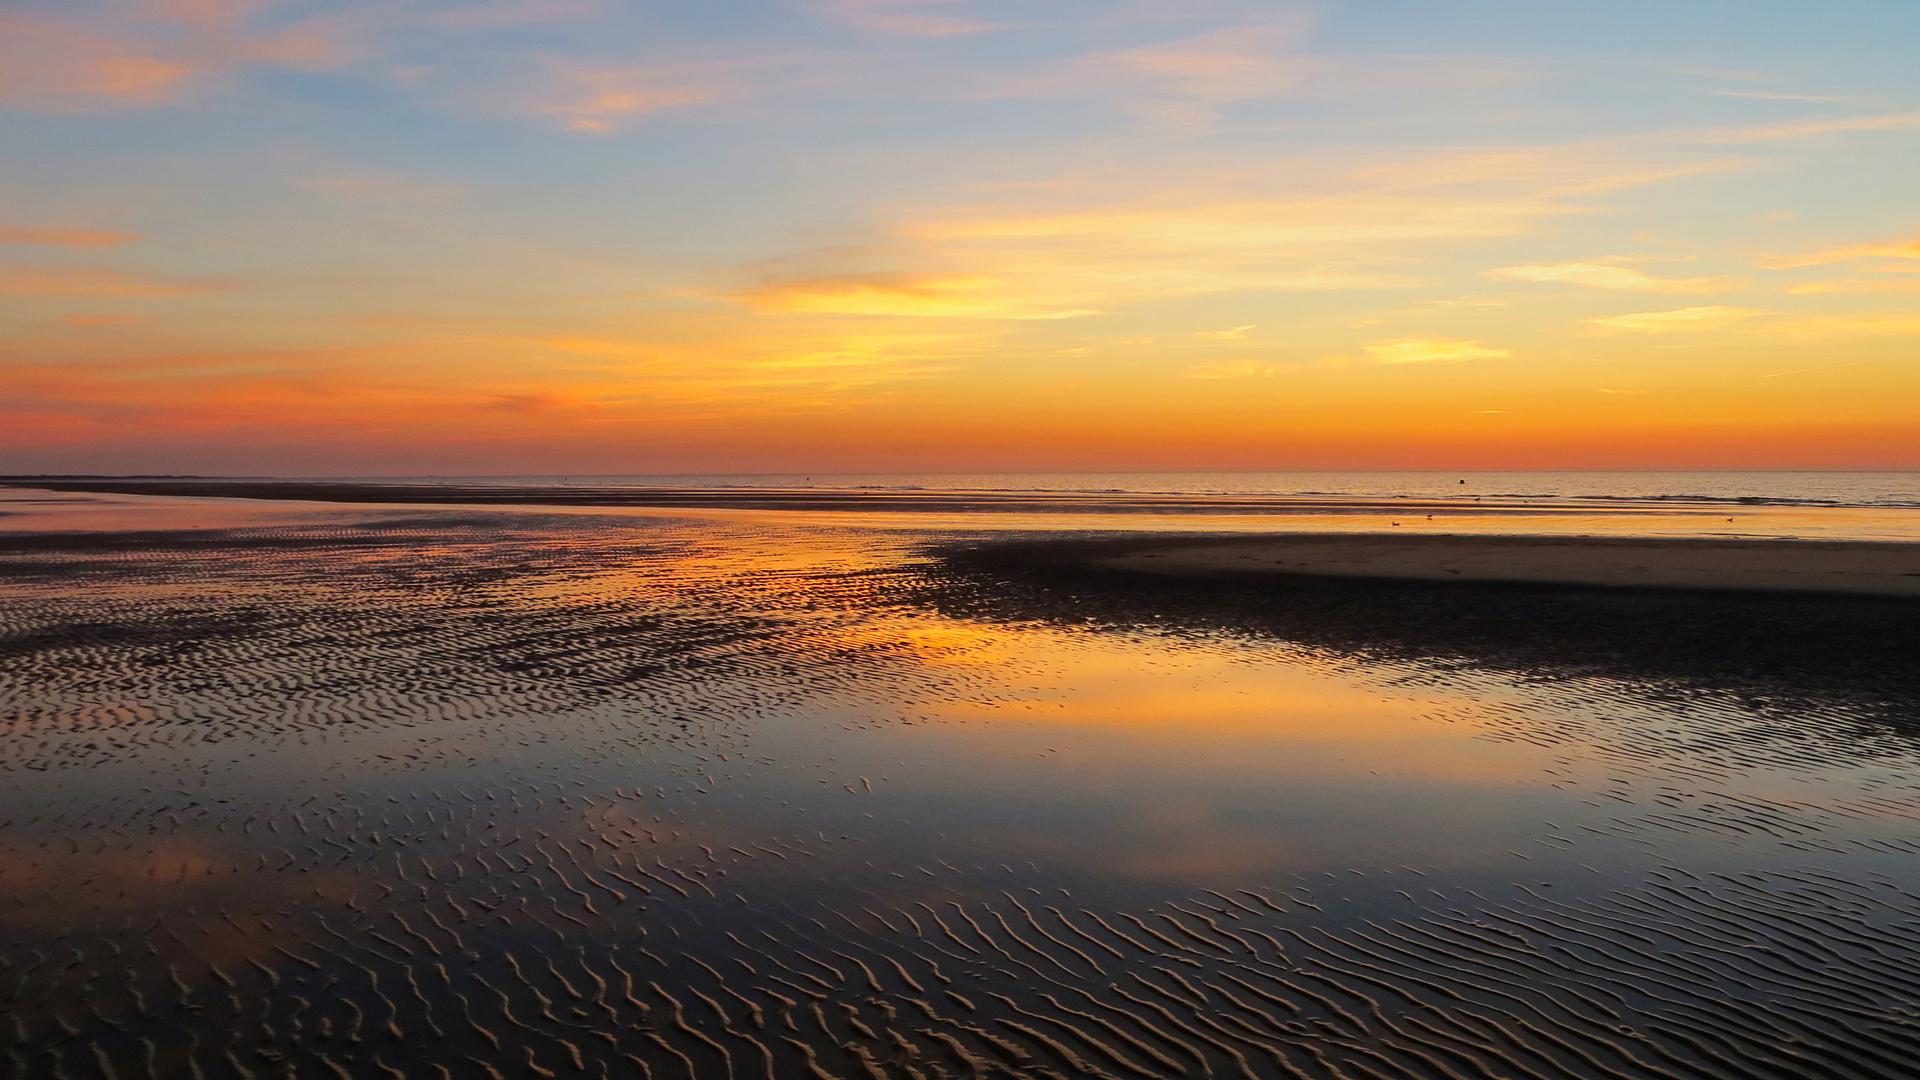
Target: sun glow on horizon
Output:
[{"x": 480, "y": 236}]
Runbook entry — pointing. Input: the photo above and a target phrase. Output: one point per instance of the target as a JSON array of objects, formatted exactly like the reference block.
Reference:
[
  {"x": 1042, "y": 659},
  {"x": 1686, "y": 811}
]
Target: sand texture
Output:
[
  {"x": 861, "y": 500},
  {"x": 1872, "y": 569},
  {"x": 379, "y": 791}
]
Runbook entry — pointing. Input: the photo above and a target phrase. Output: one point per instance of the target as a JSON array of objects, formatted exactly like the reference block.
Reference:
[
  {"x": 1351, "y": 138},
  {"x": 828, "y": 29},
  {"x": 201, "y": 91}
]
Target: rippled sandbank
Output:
[
  {"x": 370, "y": 792},
  {"x": 1750, "y": 565}
]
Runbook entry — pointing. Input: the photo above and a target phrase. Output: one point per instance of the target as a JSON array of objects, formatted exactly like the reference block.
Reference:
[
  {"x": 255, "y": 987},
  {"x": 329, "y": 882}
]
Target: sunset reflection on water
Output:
[{"x": 343, "y": 767}]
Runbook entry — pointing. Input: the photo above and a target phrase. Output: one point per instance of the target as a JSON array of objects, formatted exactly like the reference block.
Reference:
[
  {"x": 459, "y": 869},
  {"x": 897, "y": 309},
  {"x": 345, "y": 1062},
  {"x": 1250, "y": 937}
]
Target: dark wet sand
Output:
[
  {"x": 428, "y": 794},
  {"x": 1869, "y": 569},
  {"x": 1794, "y": 642}
]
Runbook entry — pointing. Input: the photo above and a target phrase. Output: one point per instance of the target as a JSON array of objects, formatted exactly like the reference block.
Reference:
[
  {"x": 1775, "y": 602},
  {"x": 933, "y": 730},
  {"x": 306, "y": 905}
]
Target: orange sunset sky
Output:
[{"x": 346, "y": 237}]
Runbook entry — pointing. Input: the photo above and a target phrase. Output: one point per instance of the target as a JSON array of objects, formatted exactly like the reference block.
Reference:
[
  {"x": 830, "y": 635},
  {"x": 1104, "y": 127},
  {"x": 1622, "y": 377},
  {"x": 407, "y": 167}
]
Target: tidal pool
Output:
[{"x": 347, "y": 792}]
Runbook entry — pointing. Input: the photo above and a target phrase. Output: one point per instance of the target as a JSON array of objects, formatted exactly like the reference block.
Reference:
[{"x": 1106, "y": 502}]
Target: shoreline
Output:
[
  {"x": 1830, "y": 567},
  {"x": 880, "y": 500},
  {"x": 1886, "y": 568}
]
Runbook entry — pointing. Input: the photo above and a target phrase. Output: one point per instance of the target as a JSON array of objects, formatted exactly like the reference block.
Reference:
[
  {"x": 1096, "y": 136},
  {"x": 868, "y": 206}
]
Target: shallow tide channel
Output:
[{"x": 348, "y": 792}]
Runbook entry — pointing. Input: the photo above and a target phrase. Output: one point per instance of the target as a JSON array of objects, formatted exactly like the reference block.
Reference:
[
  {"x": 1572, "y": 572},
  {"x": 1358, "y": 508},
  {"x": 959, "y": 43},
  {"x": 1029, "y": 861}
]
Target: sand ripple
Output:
[{"x": 499, "y": 796}]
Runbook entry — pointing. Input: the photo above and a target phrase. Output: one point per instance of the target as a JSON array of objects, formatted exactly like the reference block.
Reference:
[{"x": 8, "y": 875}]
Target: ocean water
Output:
[
  {"x": 1881, "y": 506},
  {"x": 1857, "y": 489},
  {"x": 1811, "y": 506}
]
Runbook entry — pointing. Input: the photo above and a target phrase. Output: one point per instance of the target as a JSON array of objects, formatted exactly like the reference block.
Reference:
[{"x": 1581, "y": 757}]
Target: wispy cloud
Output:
[
  {"x": 599, "y": 99},
  {"x": 493, "y": 14},
  {"x": 1808, "y": 370},
  {"x": 90, "y": 282},
  {"x": 1854, "y": 285},
  {"x": 1232, "y": 64},
  {"x": 143, "y": 54},
  {"x": 814, "y": 205},
  {"x": 1881, "y": 249},
  {"x": 758, "y": 371},
  {"x": 33, "y": 234},
  {"x": 925, "y": 295},
  {"x": 1802, "y": 129},
  {"x": 1031, "y": 253},
  {"x": 1734, "y": 74},
  {"x": 914, "y": 18},
  {"x": 474, "y": 387},
  {"x": 1828, "y": 99},
  {"x": 1431, "y": 351},
  {"x": 378, "y": 187},
  {"x": 1678, "y": 320},
  {"x": 1598, "y": 275},
  {"x": 1232, "y": 369},
  {"x": 51, "y": 64},
  {"x": 108, "y": 54},
  {"x": 1866, "y": 324},
  {"x": 1183, "y": 83}
]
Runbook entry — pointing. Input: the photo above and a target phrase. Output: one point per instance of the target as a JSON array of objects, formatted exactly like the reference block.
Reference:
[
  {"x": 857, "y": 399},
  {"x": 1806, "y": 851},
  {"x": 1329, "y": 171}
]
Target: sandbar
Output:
[{"x": 1801, "y": 566}]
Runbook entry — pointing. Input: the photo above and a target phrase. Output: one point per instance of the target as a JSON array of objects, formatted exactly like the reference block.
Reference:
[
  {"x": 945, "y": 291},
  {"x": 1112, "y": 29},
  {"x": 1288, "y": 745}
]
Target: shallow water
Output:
[
  {"x": 1897, "y": 489},
  {"x": 334, "y": 791}
]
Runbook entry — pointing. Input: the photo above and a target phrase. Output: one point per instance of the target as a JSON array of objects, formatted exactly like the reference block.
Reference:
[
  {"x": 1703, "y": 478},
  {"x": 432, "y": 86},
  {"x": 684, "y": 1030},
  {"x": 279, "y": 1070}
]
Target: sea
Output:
[{"x": 1856, "y": 489}]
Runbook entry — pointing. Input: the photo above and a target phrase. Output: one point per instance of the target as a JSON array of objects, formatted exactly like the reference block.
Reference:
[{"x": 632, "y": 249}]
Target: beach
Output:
[
  {"x": 336, "y": 788},
  {"x": 1863, "y": 569},
  {"x": 942, "y": 540}
]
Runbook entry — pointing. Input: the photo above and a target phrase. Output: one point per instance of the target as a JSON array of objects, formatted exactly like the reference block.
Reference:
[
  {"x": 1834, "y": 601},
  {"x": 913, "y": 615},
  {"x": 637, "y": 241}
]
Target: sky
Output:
[{"x": 403, "y": 237}]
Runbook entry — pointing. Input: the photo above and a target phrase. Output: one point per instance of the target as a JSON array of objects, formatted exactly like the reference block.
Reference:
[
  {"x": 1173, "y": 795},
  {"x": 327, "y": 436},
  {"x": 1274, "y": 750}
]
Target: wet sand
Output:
[
  {"x": 1871, "y": 569},
  {"x": 428, "y": 793},
  {"x": 809, "y": 499}
]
